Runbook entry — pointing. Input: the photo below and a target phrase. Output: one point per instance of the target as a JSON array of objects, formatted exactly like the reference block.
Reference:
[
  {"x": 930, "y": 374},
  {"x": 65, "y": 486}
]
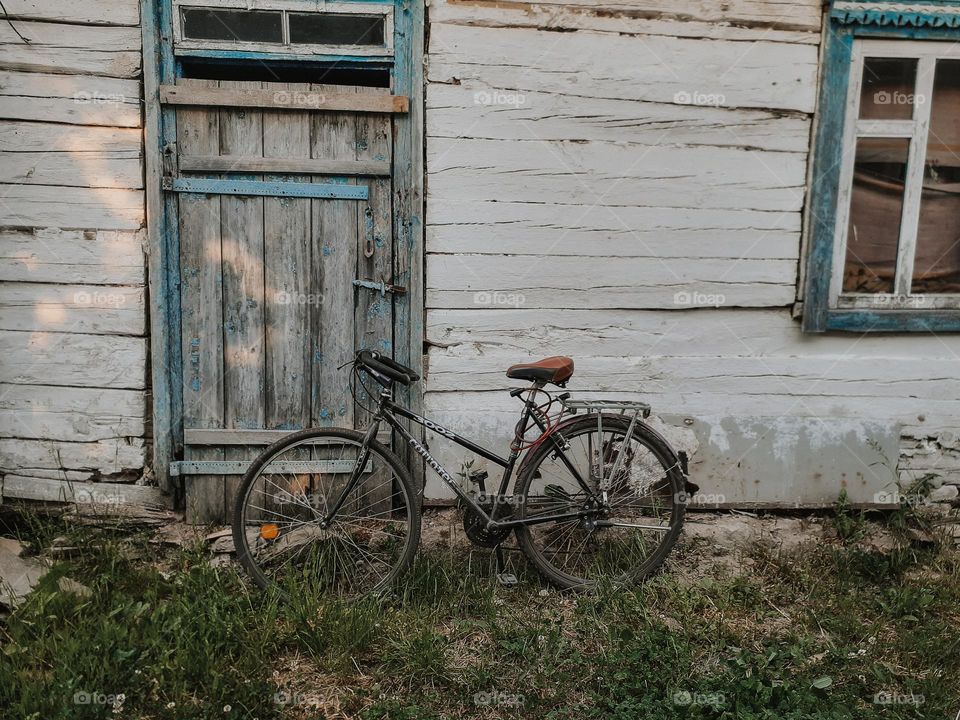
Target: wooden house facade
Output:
[{"x": 746, "y": 213}]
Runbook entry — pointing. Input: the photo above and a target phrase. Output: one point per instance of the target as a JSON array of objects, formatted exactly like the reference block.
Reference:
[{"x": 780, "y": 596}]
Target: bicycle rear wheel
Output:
[
  {"x": 634, "y": 532},
  {"x": 289, "y": 489}
]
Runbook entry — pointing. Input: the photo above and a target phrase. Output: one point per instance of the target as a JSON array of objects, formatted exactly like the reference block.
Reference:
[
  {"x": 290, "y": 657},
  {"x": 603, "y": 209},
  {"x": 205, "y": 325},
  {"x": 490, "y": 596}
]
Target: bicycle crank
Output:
[{"x": 475, "y": 527}]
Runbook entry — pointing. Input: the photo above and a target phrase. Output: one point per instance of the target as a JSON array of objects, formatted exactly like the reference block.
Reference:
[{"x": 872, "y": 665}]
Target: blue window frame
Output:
[{"x": 884, "y": 215}]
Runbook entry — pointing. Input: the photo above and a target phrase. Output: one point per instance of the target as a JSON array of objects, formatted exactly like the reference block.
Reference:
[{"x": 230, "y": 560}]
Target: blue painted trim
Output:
[
  {"x": 163, "y": 247},
  {"x": 233, "y": 55},
  {"x": 272, "y": 188},
  {"x": 894, "y": 18},
  {"x": 824, "y": 189},
  {"x": 826, "y": 177},
  {"x": 894, "y": 320},
  {"x": 408, "y": 193},
  {"x": 906, "y": 33}
]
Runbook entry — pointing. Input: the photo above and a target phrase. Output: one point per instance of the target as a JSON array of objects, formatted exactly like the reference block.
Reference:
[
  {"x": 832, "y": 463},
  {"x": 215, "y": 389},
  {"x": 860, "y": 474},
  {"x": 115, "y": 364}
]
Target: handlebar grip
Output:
[
  {"x": 375, "y": 362},
  {"x": 391, "y": 363}
]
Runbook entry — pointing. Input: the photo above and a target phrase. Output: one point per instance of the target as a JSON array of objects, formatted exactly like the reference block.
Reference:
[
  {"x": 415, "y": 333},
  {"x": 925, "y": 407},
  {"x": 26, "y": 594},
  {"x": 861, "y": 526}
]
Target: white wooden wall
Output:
[
  {"x": 73, "y": 344},
  {"x": 576, "y": 184}
]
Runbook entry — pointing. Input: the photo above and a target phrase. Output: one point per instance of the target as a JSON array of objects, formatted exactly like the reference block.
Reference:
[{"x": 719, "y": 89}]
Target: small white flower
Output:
[{"x": 227, "y": 708}]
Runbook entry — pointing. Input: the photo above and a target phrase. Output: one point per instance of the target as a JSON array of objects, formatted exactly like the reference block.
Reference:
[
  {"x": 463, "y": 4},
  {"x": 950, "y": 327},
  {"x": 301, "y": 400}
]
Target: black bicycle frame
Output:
[{"x": 388, "y": 410}]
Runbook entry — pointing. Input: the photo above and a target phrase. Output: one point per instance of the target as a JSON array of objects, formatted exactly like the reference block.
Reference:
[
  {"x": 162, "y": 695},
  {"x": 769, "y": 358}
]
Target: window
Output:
[
  {"x": 331, "y": 29},
  {"x": 884, "y": 230},
  {"x": 243, "y": 25},
  {"x": 219, "y": 28}
]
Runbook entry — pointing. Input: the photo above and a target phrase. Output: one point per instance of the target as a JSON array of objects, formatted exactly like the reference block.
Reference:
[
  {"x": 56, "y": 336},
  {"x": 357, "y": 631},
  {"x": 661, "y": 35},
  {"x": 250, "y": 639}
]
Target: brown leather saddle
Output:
[{"x": 556, "y": 369}]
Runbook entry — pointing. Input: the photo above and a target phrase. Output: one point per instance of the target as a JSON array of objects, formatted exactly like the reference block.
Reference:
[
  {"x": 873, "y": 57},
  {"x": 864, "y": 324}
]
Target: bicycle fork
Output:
[{"x": 362, "y": 457}]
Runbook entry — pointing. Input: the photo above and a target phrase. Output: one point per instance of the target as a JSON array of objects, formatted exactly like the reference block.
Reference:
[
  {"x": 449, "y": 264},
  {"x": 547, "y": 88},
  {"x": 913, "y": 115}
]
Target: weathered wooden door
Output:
[{"x": 285, "y": 222}]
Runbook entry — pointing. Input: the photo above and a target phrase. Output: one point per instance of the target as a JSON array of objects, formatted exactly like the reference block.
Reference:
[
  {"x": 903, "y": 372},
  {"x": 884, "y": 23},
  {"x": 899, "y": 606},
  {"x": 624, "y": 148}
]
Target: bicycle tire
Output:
[
  {"x": 411, "y": 493},
  {"x": 646, "y": 437}
]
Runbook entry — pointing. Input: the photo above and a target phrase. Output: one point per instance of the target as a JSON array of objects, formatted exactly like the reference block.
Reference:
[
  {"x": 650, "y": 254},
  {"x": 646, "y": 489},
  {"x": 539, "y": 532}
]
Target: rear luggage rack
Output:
[
  {"x": 631, "y": 408},
  {"x": 619, "y": 406}
]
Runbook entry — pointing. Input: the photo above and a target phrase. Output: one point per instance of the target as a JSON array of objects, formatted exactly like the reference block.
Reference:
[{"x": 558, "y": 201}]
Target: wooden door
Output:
[{"x": 280, "y": 211}]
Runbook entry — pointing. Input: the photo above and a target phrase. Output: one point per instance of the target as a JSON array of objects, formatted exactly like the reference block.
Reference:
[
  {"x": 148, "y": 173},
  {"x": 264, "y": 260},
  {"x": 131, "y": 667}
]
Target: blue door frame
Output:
[{"x": 160, "y": 67}]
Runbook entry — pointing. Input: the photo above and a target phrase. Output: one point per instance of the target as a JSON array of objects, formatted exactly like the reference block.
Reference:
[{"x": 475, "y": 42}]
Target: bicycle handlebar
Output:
[{"x": 388, "y": 367}]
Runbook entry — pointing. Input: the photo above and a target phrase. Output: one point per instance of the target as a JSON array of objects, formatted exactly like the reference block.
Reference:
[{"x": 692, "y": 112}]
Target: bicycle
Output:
[{"x": 597, "y": 497}]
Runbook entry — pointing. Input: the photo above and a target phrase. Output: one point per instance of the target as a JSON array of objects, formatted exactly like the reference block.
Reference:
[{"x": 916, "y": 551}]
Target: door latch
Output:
[{"x": 382, "y": 287}]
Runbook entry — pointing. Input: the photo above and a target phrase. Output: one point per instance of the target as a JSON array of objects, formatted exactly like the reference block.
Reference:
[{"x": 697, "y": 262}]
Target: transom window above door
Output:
[{"x": 298, "y": 27}]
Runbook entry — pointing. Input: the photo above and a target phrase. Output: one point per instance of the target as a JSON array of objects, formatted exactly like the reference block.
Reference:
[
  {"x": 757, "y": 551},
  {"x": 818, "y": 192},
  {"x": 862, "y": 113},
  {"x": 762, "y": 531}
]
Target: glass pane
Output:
[
  {"x": 936, "y": 268},
  {"x": 887, "y": 89},
  {"x": 875, "y": 206},
  {"x": 331, "y": 29},
  {"x": 243, "y": 25}
]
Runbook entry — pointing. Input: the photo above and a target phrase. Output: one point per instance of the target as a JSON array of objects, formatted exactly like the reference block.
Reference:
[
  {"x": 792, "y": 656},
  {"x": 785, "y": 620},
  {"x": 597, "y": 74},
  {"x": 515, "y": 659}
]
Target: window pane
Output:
[
  {"x": 331, "y": 29},
  {"x": 936, "y": 268},
  {"x": 875, "y": 206},
  {"x": 244, "y": 25},
  {"x": 887, "y": 89}
]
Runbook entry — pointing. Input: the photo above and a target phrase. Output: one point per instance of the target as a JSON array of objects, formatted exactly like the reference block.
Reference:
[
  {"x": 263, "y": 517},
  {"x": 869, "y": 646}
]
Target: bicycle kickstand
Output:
[{"x": 503, "y": 577}]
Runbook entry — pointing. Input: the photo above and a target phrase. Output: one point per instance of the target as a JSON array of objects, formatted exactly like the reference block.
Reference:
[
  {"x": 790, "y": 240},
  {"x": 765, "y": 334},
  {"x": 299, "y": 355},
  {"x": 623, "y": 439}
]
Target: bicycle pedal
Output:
[{"x": 507, "y": 579}]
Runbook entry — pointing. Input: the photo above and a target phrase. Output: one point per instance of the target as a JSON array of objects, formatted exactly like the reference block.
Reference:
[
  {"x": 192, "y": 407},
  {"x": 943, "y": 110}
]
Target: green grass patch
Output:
[{"x": 832, "y": 633}]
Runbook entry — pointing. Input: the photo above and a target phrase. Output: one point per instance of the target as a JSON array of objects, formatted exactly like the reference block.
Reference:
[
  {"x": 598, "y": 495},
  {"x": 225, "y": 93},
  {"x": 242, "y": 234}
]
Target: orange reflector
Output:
[{"x": 269, "y": 531}]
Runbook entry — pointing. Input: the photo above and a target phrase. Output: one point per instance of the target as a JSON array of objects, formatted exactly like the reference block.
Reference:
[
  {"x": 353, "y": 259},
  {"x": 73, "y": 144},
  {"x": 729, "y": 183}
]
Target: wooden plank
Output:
[
  {"x": 408, "y": 214},
  {"x": 499, "y": 282},
  {"x": 798, "y": 23},
  {"x": 765, "y": 17},
  {"x": 46, "y": 154},
  {"x": 70, "y": 49},
  {"x": 494, "y": 413},
  {"x": 545, "y": 229},
  {"x": 772, "y": 75},
  {"x": 286, "y": 265},
  {"x": 709, "y": 332},
  {"x": 28, "y": 488},
  {"x": 107, "y": 459},
  {"x": 199, "y": 436},
  {"x": 52, "y": 255},
  {"x": 296, "y": 165},
  {"x": 101, "y": 12},
  {"x": 334, "y": 261},
  {"x": 613, "y": 176},
  {"x": 331, "y": 100},
  {"x": 71, "y": 207},
  {"x": 260, "y": 188},
  {"x": 202, "y": 319},
  {"x": 73, "y": 99},
  {"x": 44, "y": 358},
  {"x": 89, "y": 309},
  {"x": 772, "y": 376},
  {"x": 163, "y": 248},
  {"x": 242, "y": 240},
  {"x": 821, "y": 210},
  {"x": 538, "y": 116},
  {"x": 374, "y": 312},
  {"x": 44, "y": 412}
]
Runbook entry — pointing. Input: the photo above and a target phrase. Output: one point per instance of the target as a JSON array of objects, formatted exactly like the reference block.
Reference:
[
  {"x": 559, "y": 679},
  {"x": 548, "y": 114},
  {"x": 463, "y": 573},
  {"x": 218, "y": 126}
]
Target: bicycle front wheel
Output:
[
  {"x": 621, "y": 540},
  {"x": 278, "y": 527}
]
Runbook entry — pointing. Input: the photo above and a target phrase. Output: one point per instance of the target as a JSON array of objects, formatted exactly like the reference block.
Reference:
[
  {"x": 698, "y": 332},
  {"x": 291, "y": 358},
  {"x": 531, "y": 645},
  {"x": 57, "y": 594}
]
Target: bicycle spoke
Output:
[
  {"x": 366, "y": 543},
  {"x": 611, "y": 539}
]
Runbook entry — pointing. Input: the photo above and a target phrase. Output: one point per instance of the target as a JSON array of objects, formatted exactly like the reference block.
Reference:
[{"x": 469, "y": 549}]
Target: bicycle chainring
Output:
[{"x": 477, "y": 532}]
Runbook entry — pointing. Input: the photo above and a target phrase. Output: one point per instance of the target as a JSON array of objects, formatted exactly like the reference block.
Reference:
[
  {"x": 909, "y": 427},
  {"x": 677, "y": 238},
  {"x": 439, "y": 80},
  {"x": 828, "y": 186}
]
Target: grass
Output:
[{"x": 833, "y": 632}]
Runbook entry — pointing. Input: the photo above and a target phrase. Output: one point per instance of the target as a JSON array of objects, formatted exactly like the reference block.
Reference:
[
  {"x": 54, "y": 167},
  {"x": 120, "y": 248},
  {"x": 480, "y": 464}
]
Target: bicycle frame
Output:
[{"x": 389, "y": 411}]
